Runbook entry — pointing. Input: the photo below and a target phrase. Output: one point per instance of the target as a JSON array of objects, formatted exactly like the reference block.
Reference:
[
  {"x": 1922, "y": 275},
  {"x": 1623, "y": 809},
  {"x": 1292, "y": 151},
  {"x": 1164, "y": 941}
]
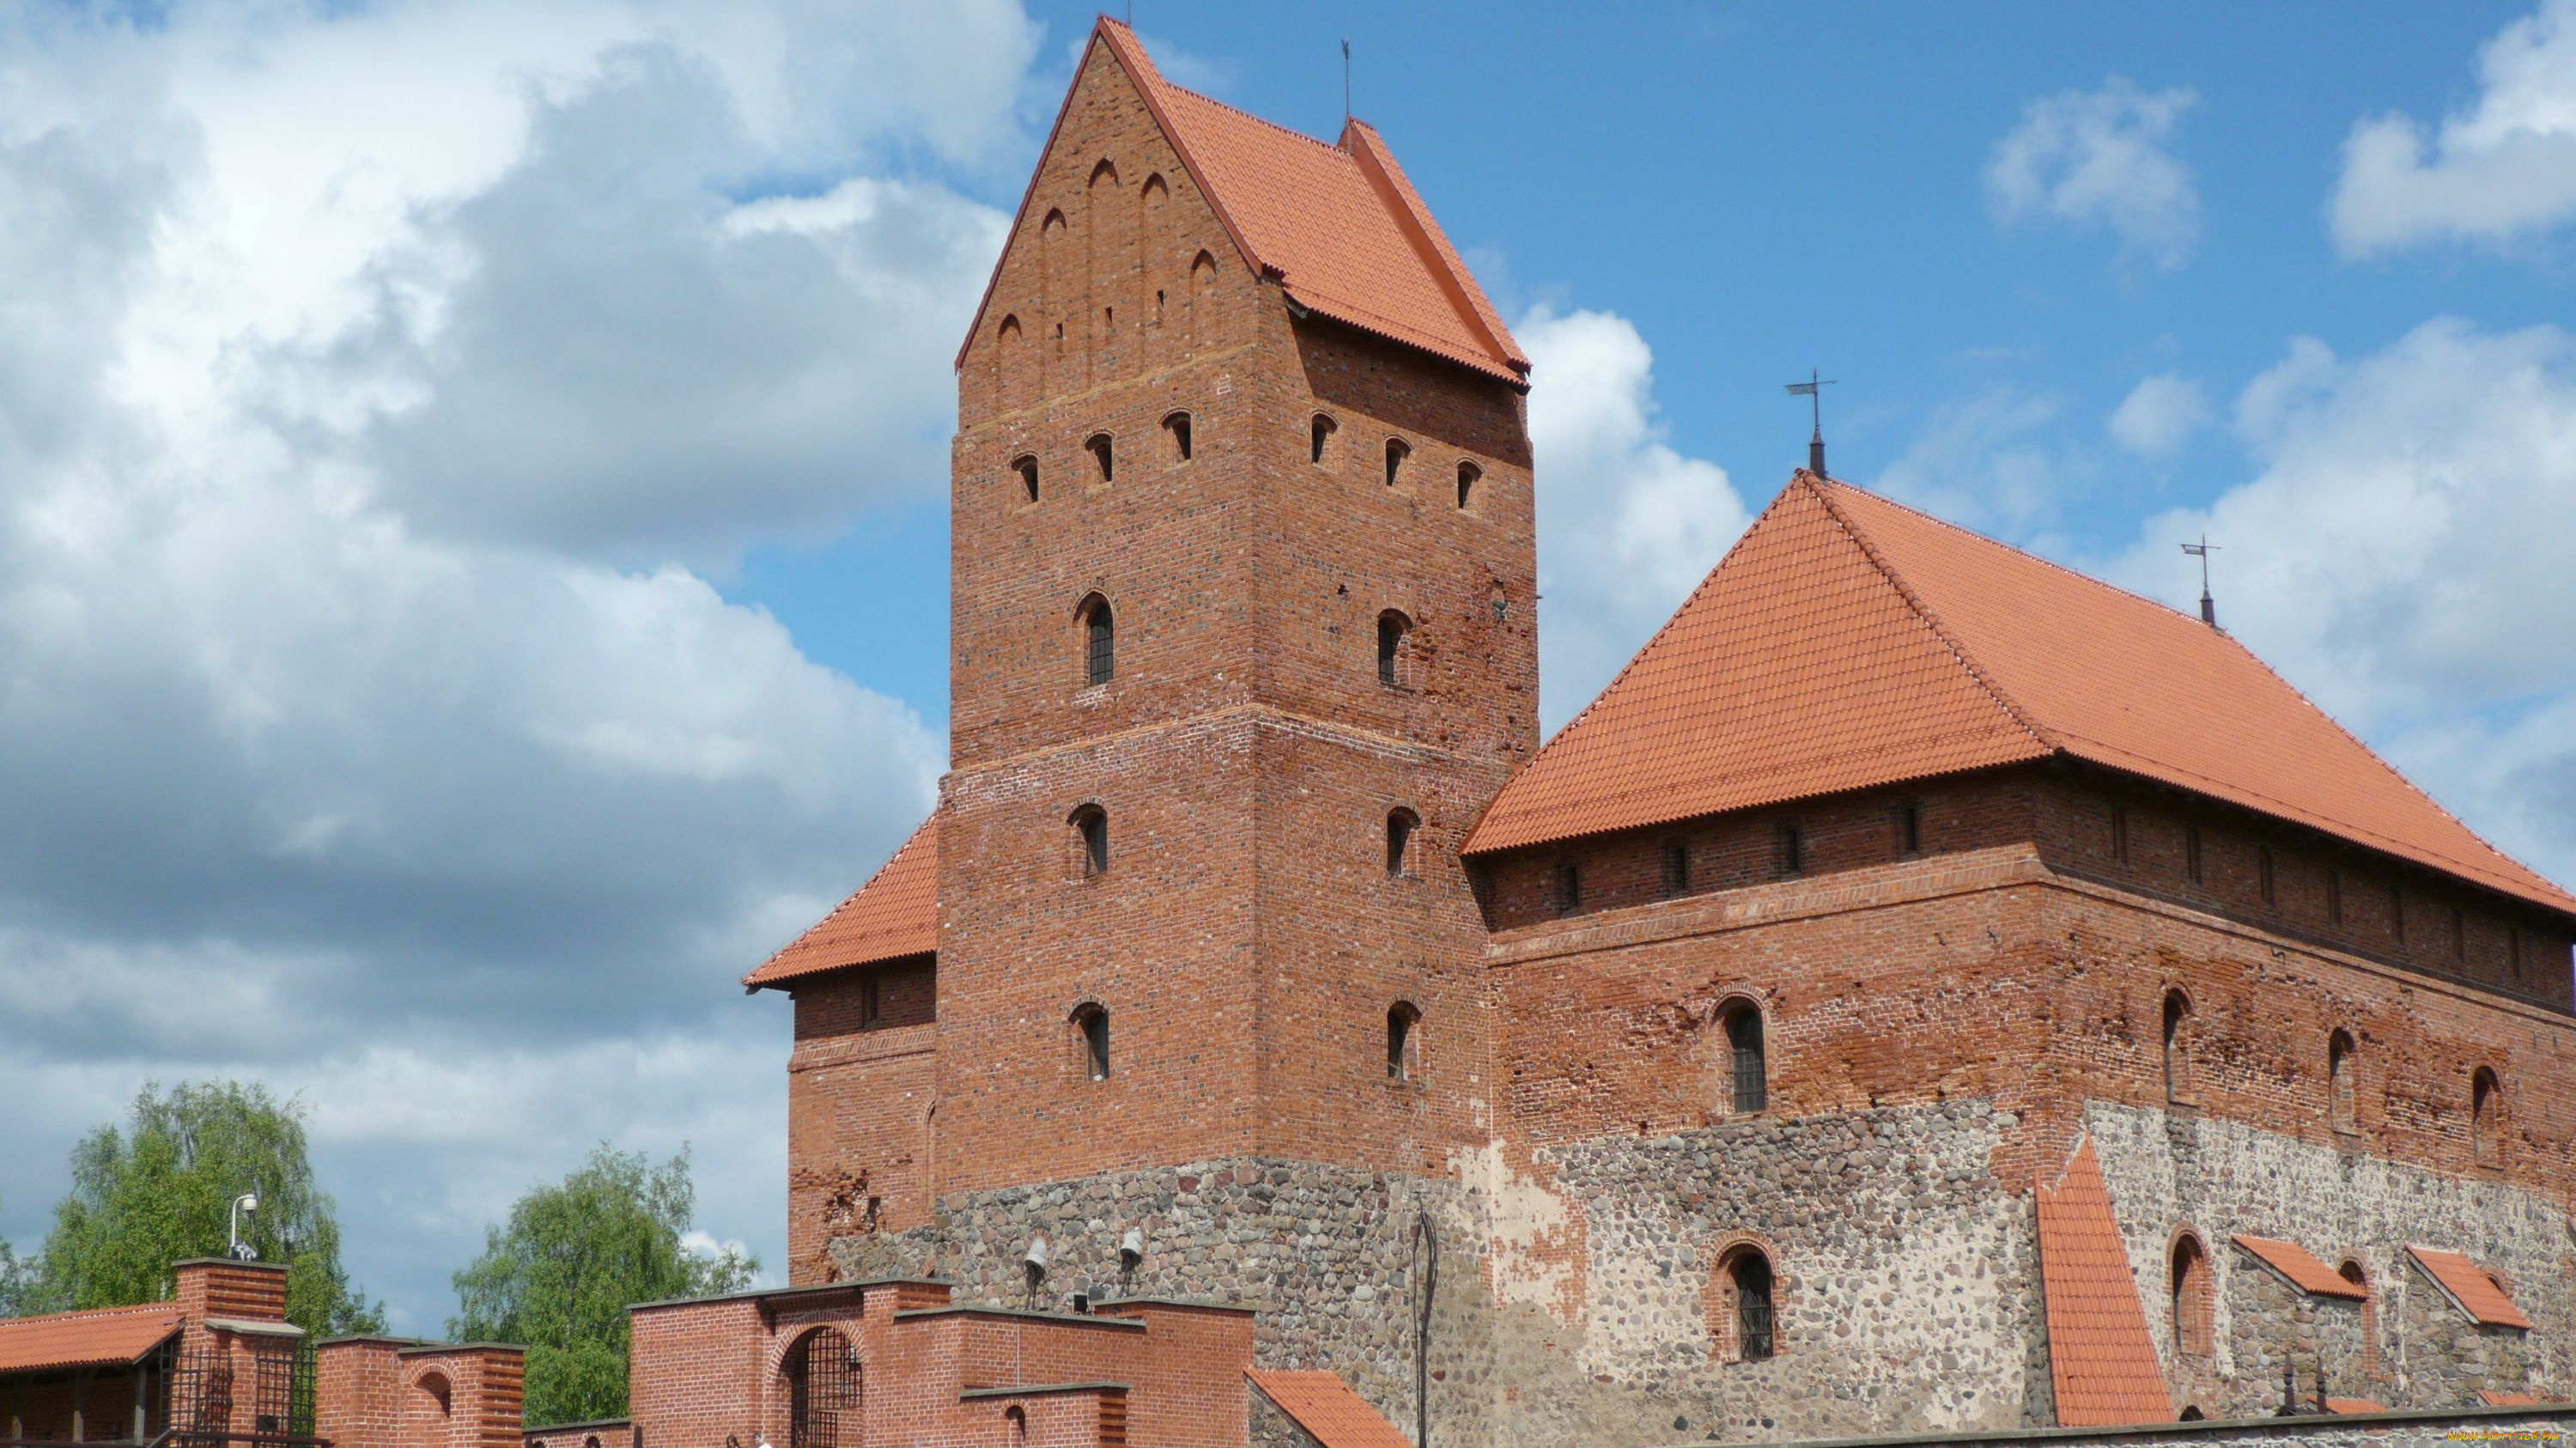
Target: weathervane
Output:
[
  {"x": 2208, "y": 605},
  {"x": 1346, "y": 80},
  {"x": 1813, "y": 390}
]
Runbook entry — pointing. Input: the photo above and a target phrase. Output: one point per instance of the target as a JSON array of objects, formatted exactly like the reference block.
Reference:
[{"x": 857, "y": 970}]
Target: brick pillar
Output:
[
  {"x": 357, "y": 1387},
  {"x": 461, "y": 1395}
]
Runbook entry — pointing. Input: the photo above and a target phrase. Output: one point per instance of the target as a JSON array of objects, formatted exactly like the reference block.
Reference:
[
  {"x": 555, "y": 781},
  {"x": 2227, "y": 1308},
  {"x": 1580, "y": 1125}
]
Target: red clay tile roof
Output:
[
  {"x": 2471, "y": 1286},
  {"x": 2494, "y": 1399},
  {"x": 2100, "y": 1356},
  {"x": 1847, "y": 641},
  {"x": 104, "y": 1337},
  {"x": 2305, "y": 1272},
  {"x": 1340, "y": 226},
  {"x": 1328, "y": 1410},
  {"x": 2355, "y": 1405},
  {"x": 893, "y": 915}
]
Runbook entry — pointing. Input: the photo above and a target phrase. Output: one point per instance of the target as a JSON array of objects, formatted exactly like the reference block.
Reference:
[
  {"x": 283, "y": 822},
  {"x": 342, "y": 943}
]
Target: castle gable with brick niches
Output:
[{"x": 1929, "y": 991}]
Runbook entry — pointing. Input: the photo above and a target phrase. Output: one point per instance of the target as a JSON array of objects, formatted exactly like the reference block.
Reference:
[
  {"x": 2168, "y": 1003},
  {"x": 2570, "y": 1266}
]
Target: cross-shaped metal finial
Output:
[
  {"x": 2201, "y": 550},
  {"x": 1813, "y": 390}
]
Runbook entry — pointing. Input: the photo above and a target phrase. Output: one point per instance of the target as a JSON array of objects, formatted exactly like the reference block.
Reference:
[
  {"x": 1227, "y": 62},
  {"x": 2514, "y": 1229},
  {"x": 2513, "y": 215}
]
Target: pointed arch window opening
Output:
[
  {"x": 1099, "y": 643},
  {"x": 1748, "y": 1073}
]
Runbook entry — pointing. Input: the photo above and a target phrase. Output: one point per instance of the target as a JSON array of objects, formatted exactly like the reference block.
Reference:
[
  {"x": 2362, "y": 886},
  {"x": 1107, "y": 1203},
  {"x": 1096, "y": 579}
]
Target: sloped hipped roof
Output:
[
  {"x": 2301, "y": 1267},
  {"x": 1339, "y": 226},
  {"x": 895, "y": 914},
  {"x": 2473, "y": 1287},
  {"x": 1330, "y": 1412},
  {"x": 2100, "y": 1357},
  {"x": 1847, "y": 642},
  {"x": 105, "y": 1337}
]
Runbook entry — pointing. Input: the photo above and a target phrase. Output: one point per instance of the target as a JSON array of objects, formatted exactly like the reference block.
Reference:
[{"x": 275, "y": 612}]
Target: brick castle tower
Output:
[{"x": 1928, "y": 988}]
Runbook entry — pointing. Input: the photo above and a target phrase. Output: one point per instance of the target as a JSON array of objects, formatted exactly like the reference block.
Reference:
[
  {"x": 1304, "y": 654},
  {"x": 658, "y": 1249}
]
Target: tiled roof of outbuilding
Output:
[
  {"x": 2299, "y": 1265},
  {"x": 893, "y": 915},
  {"x": 1330, "y": 1412},
  {"x": 2473, "y": 1287},
  {"x": 102, "y": 1337},
  {"x": 2100, "y": 1357},
  {"x": 1340, "y": 226},
  {"x": 1848, "y": 641}
]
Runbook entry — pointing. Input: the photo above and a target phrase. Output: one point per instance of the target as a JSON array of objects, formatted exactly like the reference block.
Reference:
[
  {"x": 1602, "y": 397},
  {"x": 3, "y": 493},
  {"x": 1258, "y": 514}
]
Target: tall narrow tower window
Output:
[
  {"x": 1319, "y": 432},
  {"x": 1099, "y": 642},
  {"x": 1091, "y": 1039},
  {"x": 2334, "y": 896},
  {"x": 1676, "y": 869},
  {"x": 2263, "y": 876},
  {"x": 1789, "y": 849},
  {"x": 1748, "y": 1069},
  {"x": 1403, "y": 1040},
  {"x": 2191, "y": 853},
  {"x": 1397, "y": 450},
  {"x": 1400, "y": 827},
  {"x": 1025, "y": 468},
  {"x": 1091, "y": 840},
  {"x": 1569, "y": 887},
  {"x": 1749, "y": 1272},
  {"x": 2119, "y": 834},
  {"x": 2177, "y": 1055},
  {"x": 1177, "y": 428},
  {"x": 1098, "y": 446},
  {"x": 1393, "y": 629},
  {"x": 2396, "y": 911},
  {"x": 2486, "y": 1111},
  {"x": 1468, "y": 476},
  {"x": 2193, "y": 1301},
  {"x": 2341, "y": 1094},
  {"x": 1909, "y": 828}
]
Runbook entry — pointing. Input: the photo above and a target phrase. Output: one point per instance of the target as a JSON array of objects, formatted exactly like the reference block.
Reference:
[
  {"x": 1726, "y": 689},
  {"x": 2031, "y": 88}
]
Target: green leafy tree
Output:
[
  {"x": 162, "y": 1190},
  {"x": 559, "y": 1277},
  {"x": 13, "y": 1282}
]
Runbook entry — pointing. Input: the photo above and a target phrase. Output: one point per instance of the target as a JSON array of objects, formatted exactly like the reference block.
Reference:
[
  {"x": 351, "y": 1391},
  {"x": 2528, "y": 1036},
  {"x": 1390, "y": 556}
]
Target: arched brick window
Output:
[
  {"x": 1103, "y": 455},
  {"x": 435, "y": 1387},
  {"x": 1090, "y": 839},
  {"x": 1319, "y": 431},
  {"x": 1468, "y": 476},
  {"x": 1401, "y": 825},
  {"x": 1745, "y": 1085},
  {"x": 2353, "y": 1272},
  {"x": 1403, "y": 1041},
  {"x": 1177, "y": 428},
  {"x": 1090, "y": 1021},
  {"x": 1099, "y": 641},
  {"x": 1739, "y": 1306},
  {"x": 1015, "y": 1420},
  {"x": 2341, "y": 1091},
  {"x": 2486, "y": 1117},
  {"x": 2177, "y": 1047},
  {"x": 1025, "y": 468},
  {"x": 2192, "y": 1299},
  {"x": 823, "y": 1387},
  {"x": 1394, "y": 630},
  {"x": 1397, "y": 450}
]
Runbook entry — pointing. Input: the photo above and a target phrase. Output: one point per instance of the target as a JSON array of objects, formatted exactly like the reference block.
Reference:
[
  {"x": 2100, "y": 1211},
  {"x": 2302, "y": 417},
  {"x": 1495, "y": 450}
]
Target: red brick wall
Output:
[
  {"x": 357, "y": 1392},
  {"x": 858, "y": 1104},
  {"x": 1245, "y": 940}
]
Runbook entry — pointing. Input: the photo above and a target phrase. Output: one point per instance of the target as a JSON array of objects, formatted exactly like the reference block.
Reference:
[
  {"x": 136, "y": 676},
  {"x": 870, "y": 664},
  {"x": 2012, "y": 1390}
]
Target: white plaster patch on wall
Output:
[
  {"x": 1534, "y": 1235},
  {"x": 2224, "y": 1177}
]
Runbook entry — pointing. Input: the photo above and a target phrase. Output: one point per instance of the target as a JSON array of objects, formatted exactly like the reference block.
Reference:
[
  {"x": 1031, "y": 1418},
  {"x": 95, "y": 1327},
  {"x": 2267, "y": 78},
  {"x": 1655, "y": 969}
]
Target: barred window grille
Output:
[
  {"x": 1753, "y": 1320},
  {"x": 823, "y": 1392},
  {"x": 1100, "y": 644},
  {"x": 1744, "y": 1047}
]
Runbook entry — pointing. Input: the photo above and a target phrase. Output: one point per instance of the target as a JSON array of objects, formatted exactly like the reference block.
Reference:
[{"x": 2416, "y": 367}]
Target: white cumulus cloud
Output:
[
  {"x": 2101, "y": 160},
  {"x": 2501, "y": 170},
  {"x": 1627, "y": 525},
  {"x": 2159, "y": 415}
]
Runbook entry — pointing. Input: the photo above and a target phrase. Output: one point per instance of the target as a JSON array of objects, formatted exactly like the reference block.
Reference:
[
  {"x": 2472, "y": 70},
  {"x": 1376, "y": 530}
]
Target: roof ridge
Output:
[
  {"x": 1264, "y": 121},
  {"x": 2053, "y": 736},
  {"x": 122, "y": 1309},
  {"x": 1931, "y": 618},
  {"x": 847, "y": 900}
]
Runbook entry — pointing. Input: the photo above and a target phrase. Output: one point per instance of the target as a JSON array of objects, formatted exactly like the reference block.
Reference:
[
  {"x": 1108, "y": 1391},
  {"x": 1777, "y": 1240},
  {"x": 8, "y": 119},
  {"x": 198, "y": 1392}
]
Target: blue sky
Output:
[{"x": 472, "y": 569}]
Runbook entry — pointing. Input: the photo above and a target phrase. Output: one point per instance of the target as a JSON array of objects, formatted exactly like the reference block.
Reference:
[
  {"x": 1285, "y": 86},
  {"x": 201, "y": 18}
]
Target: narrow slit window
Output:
[
  {"x": 2342, "y": 1098},
  {"x": 2119, "y": 834},
  {"x": 1091, "y": 1039},
  {"x": 2191, "y": 853},
  {"x": 1101, "y": 455},
  {"x": 1392, "y": 629},
  {"x": 2459, "y": 933},
  {"x": 1403, "y": 1040},
  {"x": 1091, "y": 839},
  {"x": 2486, "y": 1108},
  {"x": 2334, "y": 896},
  {"x": 1319, "y": 432},
  {"x": 2177, "y": 1050},
  {"x": 869, "y": 1012},
  {"x": 2513, "y": 949},
  {"x": 1468, "y": 476},
  {"x": 1748, "y": 1068},
  {"x": 1177, "y": 427},
  {"x": 2263, "y": 882},
  {"x": 1909, "y": 828},
  {"x": 1397, "y": 450},
  {"x": 1569, "y": 887},
  {"x": 2396, "y": 911},
  {"x": 1025, "y": 468},
  {"x": 1676, "y": 868},
  {"x": 1400, "y": 827},
  {"x": 1099, "y": 643},
  {"x": 1789, "y": 850}
]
